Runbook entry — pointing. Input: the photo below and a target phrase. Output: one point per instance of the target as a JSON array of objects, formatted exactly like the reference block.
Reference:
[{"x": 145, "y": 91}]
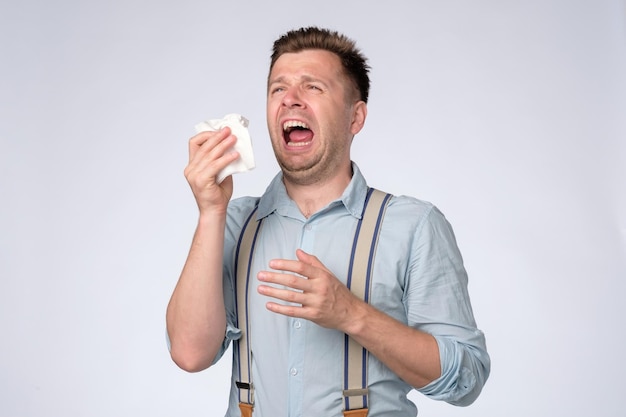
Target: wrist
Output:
[
  {"x": 210, "y": 219},
  {"x": 356, "y": 318}
]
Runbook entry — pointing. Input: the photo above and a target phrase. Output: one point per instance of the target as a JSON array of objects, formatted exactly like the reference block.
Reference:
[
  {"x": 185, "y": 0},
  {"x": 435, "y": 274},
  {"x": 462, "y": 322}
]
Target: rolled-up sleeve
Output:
[
  {"x": 464, "y": 372},
  {"x": 232, "y": 333},
  {"x": 437, "y": 302}
]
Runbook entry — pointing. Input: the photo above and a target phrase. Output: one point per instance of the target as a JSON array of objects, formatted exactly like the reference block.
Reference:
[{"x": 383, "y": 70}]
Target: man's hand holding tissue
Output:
[{"x": 208, "y": 155}]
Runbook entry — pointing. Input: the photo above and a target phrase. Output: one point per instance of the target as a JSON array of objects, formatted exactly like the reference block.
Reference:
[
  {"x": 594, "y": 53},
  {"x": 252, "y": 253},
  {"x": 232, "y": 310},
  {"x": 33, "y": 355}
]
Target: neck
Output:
[{"x": 310, "y": 198}]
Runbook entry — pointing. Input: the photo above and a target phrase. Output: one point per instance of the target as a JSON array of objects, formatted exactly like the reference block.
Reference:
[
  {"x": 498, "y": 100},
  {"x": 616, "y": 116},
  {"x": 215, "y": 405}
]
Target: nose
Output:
[{"x": 292, "y": 98}]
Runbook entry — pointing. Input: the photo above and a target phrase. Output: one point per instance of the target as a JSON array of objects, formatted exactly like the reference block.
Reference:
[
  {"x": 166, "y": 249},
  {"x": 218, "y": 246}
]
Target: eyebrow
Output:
[
  {"x": 275, "y": 81},
  {"x": 305, "y": 78}
]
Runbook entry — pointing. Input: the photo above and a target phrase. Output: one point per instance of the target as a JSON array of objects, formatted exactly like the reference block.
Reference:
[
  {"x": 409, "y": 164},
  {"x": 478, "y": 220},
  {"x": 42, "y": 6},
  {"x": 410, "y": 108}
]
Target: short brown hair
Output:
[{"x": 353, "y": 61}]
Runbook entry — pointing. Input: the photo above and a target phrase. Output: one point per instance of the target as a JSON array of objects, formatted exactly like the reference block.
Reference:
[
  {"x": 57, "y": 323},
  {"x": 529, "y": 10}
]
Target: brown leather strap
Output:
[
  {"x": 246, "y": 409},
  {"x": 361, "y": 412}
]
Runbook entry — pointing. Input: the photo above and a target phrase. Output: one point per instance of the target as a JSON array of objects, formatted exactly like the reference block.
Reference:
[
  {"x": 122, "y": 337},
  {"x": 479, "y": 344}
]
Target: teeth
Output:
[
  {"x": 298, "y": 144},
  {"x": 294, "y": 123}
]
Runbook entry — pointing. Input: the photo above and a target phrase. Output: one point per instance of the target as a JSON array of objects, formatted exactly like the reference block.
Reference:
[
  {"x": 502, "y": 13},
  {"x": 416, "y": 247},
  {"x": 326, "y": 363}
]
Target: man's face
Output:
[{"x": 312, "y": 116}]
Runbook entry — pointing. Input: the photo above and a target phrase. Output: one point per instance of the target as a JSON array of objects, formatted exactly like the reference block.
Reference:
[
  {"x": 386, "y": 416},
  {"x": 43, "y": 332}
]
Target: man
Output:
[{"x": 418, "y": 325}]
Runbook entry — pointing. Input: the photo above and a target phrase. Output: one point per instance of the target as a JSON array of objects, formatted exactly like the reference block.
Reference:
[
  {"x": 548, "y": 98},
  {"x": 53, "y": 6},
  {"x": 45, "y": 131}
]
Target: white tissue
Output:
[{"x": 239, "y": 127}]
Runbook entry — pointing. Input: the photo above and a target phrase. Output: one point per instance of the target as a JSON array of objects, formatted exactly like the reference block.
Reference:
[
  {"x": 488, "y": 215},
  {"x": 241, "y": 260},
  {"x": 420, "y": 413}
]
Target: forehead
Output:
[{"x": 310, "y": 62}]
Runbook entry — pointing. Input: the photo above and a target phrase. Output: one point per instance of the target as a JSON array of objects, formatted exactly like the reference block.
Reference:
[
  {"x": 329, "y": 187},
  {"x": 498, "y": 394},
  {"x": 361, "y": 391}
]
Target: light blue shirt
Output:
[{"x": 419, "y": 279}]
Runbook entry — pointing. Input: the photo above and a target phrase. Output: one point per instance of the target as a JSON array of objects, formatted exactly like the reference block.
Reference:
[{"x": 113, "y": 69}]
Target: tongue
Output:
[{"x": 300, "y": 135}]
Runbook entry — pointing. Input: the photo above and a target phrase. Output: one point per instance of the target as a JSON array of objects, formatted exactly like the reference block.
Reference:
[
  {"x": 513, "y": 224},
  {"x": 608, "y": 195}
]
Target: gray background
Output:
[{"x": 509, "y": 115}]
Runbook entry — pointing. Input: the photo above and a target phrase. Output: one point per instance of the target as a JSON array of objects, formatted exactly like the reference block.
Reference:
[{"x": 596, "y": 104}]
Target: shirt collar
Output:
[{"x": 275, "y": 197}]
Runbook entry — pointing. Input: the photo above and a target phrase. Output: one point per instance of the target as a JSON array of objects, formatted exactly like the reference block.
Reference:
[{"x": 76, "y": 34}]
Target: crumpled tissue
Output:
[{"x": 239, "y": 127}]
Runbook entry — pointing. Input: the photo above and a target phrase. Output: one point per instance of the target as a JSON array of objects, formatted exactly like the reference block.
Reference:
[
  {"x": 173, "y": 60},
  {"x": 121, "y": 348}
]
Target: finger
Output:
[
  {"x": 305, "y": 266},
  {"x": 286, "y": 295},
  {"x": 309, "y": 259},
  {"x": 207, "y": 139},
  {"x": 201, "y": 137},
  {"x": 211, "y": 158},
  {"x": 286, "y": 280},
  {"x": 286, "y": 310},
  {"x": 212, "y": 148},
  {"x": 215, "y": 160},
  {"x": 312, "y": 263},
  {"x": 204, "y": 173},
  {"x": 288, "y": 265}
]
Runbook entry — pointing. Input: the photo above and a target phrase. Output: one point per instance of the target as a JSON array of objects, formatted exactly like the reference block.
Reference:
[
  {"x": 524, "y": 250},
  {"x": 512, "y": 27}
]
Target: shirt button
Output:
[
  {"x": 308, "y": 227},
  {"x": 297, "y": 324},
  {"x": 293, "y": 371}
]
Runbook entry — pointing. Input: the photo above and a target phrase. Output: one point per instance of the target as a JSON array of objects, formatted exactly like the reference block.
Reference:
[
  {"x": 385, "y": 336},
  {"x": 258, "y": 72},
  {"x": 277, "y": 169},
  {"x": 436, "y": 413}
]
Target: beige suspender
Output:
[
  {"x": 243, "y": 257},
  {"x": 359, "y": 281},
  {"x": 355, "y": 391}
]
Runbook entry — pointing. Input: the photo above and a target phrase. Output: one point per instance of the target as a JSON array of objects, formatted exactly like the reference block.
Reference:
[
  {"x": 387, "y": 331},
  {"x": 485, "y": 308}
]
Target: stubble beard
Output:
[
  {"x": 306, "y": 173},
  {"x": 319, "y": 168}
]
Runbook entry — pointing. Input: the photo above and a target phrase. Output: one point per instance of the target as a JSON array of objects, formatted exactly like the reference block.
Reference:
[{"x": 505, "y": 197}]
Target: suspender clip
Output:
[
  {"x": 244, "y": 385},
  {"x": 356, "y": 392}
]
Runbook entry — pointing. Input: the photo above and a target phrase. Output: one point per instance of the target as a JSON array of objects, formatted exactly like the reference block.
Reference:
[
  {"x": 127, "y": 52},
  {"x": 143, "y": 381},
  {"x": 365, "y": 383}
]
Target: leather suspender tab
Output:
[
  {"x": 361, "y": 412},
  {"x": 246, "y": 409}
]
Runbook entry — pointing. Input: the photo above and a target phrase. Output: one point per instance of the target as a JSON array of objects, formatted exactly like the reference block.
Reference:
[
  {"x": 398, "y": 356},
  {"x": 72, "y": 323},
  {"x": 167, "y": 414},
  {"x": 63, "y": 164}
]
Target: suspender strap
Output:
[
  {"x": 359, "y": 281},
  {"x": 243, "y": 257}
]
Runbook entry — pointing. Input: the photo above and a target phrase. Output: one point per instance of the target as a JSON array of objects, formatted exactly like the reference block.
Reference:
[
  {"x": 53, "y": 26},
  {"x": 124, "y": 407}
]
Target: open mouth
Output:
[{"x": 297, "y": 133}]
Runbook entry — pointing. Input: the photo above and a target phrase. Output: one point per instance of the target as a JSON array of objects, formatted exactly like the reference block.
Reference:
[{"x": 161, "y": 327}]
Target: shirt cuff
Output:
[{"x": 457, "y": 381}]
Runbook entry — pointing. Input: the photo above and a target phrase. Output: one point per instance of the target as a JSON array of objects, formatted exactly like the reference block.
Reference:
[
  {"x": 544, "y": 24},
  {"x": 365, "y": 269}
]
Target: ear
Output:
[{"x": 359, "y": 113}]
